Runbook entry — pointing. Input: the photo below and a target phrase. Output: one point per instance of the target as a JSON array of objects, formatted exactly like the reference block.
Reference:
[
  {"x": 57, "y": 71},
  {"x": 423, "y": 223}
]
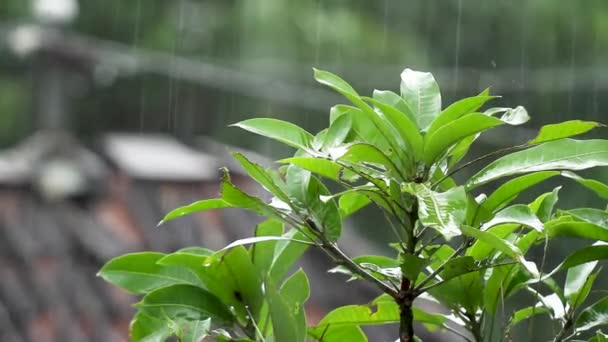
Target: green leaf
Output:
[
  {"x": 511, "y": 116},
  {"x": 350, "y": 333},
  {"x": 563, "y": 130},
  {"x": 367, "y": 153},
  {"x": 407, "y": 129},
  {"x": 295, "y": 291},
  {"x": 412, "y": 265},
  {"x": 598, "y": 187},
  {"x": 495, "y": 241},
  {"x": 184, "y": 302},
  {"x": 555, "y": 155},
  {"x": 380, "y": 311},
  {"x": 138, "y": 273},
  {"x": 260, "y": 239},
  {"x": 338, "y": 131},
  {"x": 442, "y": 211},
  {"x": 596, "y": 252},
  {"x": 363, "y": 127},
  {"x": 577, "y": 278},
  {"x": 480, "y": 250},
  {"x": 421, "y": 93},
  {"x": 247, "y": 281},
  {"x": 544, "y": 204},
  {"x": 527, "y": 312},
  {"x": 457, "y": 267},
  {"x": 351, "y": 202},
  {"x": 323, "y": 167},
  {"x": 279, "y": 130},
  {"x": 198, "y": 206},
  {"x": 451, "y": 133},
  {"x": 262, "y": 176},
  {"x": 459, "y": 109},
  {"x": 262, "y": 253},
  {"x": 592, "y": 215},
  {"x": 146, "y": 328},
  {"x": 594, "y": 316},
  {"x": 584, "y": 230},
  {"x": 286, "y": 254},
  {"x": 285, "y": 324},
  {"x": 599, "y": 337},
  {"x": 392, "y": 99},
  {"x": 511, "y": 189},
  {"x": 519, "y": 213},
  {"x": 324, "y": 214},
  {"x": 334, "y": 82}
]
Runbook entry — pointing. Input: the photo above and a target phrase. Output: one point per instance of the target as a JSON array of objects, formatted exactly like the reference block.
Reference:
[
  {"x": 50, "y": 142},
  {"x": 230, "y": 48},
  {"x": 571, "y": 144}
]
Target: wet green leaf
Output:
[
  {"x": 279, "y": 130},
  {"x": 421, "y": 93},
  {"x": 563, "y": 130},
  {"x": 555, "y": 155}
]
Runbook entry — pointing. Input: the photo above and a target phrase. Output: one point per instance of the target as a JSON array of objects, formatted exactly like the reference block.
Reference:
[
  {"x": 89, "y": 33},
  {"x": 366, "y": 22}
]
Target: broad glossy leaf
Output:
[
  {"x": 363, "y": 127},
  {"x": 584, "y": 230},
  {"x": 592, "y": 215},
  {"x": 458, "y": 109},
  {"x": 196, "y": 250},
  {"x": 554, "y": 303},
  {"x": 338, "y": 131},
  {"x": 461, "y": 292},
  {"x": 285, "y": 324},
  {"x": 367, "y": 153},
  {"x": 442, "y": 211},
  {"x": 260, "y": 239},
  {"x": 262, "y": 176},
  {"x": 323, "y": 167},
  {"x": 262, "y": 253},
  {"x": 248, "y": 282},
  {"x": 518, "y": 213},
  {"x": 511, "y": 116},
  {"x": 392, "y": 99},
  {"x": 527, "y": 312},
  {"x": 407, "y": 129},
  {"x": 381, "y": 311},
  {"x": 563, "y": 130},
  {"x": 594, "y": 316},
  {"x": 576, "y": 281},
  {"x": 286, "y": 254},
  {"x": 495, "y": 241},
  {"x": 146, "y": 328},
  {"x": 480, "y": 250},
  {"x": 139, "y": 273},
  {"x": 198, "y": 206},
  {"x": 295, "y": 291},
  {"x": 351, "y": 333},
  {"x": 383, "y": 267},
  {"x": 351, "y": 202},
  {"x": 511, "y": 189},
  {"x": 554, "y": 155},
  {"x": 449, "y": 134},
  {"x": 279, "y": 130},
  {"x": 598, "y": 251},
  {"x": 324, "y": 214},
  {"x": 239, "y": 199},
  {"x": 458, "y": 266},
  {"x": 184, "y": 302},
  {"x": 543, "y": 206},
  {"x": 421, "y": 93},
  {"x": 596, "y": 186},
  {"x": 412, "y": 265}
]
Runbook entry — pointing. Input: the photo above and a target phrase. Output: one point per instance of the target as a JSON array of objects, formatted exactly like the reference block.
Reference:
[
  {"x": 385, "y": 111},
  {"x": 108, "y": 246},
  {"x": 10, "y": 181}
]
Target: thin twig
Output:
[
  {"x": 476, "y": 160},
  {"x": 457, "y": 252}
]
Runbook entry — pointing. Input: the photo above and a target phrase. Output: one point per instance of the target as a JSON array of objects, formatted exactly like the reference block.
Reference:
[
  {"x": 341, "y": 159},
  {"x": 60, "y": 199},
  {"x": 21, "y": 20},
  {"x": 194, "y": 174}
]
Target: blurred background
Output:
[{"x": 113, "y": 112}]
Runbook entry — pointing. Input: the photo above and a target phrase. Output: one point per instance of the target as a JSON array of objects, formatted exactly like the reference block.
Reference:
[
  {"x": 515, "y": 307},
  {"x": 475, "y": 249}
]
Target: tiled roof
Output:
[{"x": 52, "y": 247}]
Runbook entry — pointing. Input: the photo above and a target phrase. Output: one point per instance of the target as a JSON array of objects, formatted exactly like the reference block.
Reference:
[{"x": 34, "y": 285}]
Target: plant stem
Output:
[
  {"x": 562, "y": 333},
  {"x": 475, "y": 328},
  {"x": 406, "y": 315}
]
